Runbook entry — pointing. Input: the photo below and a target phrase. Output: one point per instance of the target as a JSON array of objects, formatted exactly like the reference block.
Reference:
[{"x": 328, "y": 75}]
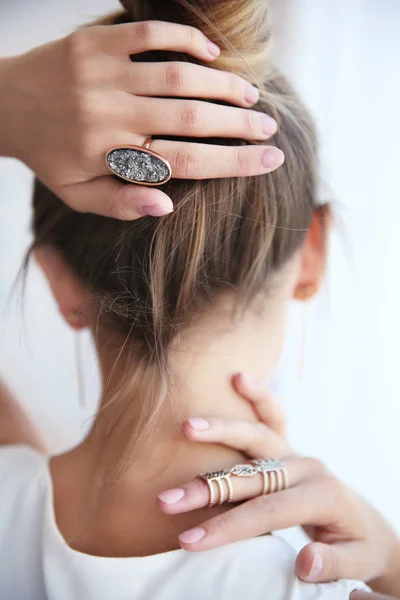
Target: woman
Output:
[{"x": 174, "y": 305}]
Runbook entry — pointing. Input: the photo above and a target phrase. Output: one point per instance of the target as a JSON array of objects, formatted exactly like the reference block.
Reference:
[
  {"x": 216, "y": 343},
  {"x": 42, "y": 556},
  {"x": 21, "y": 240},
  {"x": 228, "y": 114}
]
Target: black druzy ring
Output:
[{"x": 139, "y": 164}]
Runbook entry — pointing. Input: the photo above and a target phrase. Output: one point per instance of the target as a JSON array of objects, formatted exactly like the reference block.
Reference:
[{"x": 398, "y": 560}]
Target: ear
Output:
[
  {"x": 67, "y": 289},
  {"x": 314, "y": 254}
]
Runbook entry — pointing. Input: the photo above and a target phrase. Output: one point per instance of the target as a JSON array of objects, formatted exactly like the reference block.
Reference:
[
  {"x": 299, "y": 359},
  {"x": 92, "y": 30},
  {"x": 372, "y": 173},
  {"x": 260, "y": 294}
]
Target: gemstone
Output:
[
  {"x": 244, "y": 470},
  {"x": 138, "y": 166},
  {"x": 267, "y": 465}
]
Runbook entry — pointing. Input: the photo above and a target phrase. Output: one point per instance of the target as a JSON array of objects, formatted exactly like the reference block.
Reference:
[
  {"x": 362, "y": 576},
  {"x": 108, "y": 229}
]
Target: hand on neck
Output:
[{"x": 133, "y": 469}]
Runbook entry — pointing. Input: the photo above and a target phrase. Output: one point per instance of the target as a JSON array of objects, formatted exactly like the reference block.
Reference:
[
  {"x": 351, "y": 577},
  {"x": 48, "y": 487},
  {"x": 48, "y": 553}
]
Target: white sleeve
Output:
[{"x": 339, "y": 590}]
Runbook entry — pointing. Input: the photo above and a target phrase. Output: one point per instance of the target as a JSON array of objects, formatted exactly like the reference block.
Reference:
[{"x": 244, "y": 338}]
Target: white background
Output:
[{"x": 343, "y": 405}]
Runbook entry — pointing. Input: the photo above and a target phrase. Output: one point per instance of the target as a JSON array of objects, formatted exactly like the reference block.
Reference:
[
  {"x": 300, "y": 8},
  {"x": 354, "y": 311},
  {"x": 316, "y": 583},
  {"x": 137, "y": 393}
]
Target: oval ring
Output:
[{"x": 139, "y": 164}]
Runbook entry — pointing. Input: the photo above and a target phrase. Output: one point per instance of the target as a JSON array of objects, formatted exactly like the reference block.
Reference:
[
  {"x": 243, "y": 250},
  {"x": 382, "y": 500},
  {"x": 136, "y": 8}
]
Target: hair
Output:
[{"x": 151, "y": 277}]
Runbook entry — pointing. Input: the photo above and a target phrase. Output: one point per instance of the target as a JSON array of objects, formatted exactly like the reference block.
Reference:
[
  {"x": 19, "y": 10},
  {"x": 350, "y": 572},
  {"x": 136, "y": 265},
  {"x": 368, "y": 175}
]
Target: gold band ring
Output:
[{"x": 275, "y": 479}]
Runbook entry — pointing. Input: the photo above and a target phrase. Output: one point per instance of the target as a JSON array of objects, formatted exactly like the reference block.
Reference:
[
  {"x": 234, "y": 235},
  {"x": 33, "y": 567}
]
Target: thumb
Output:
[
  {"x": 109, "y": 197},
  {"x": 322, "y": 563}
]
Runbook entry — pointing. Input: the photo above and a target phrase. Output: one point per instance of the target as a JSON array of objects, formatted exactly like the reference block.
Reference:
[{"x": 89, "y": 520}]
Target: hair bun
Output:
[{"x": 239, "y": 27}]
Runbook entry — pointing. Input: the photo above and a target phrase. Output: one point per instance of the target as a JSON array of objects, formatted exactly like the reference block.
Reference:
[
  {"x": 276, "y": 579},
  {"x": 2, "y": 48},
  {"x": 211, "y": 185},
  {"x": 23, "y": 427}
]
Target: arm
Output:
[{"x": 15, "y": 427}]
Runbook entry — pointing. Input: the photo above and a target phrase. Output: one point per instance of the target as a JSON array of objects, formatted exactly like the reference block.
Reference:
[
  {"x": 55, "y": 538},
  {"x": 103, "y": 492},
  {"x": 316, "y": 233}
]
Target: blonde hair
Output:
[{"x": 152, "y": 276}]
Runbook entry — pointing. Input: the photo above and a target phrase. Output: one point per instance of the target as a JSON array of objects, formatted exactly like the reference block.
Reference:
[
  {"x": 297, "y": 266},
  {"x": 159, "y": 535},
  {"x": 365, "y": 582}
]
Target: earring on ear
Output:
[
  {"x": 306, "y": 291},
  {"x": 74, "y": 318}
]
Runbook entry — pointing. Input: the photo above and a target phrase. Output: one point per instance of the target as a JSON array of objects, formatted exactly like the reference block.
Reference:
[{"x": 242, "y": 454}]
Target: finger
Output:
[
  {"x": 251, "y": 519},
  {"x": 208, "y": 161},
  {"x": 322, "y": 563},
  {"x": 297, "y": 505},
  {"x": 190, "y": 160},
  {"x": 195, "y": 495},
  {"x": 108, "y": 197},
  {"x": 133, "y": 38},
  {"x": 194, "y": 118},
  {"x": 265, "y": 406},
  {"x": 255, "y": 440},
  {"x": 186, "y": 80}
]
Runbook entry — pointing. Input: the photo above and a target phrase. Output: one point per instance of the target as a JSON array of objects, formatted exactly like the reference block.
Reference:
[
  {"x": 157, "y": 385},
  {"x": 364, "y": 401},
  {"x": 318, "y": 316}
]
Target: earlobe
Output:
[
  {"x": 314, "y": 254},
  {"x": 305, "y": 291},
  {"x": 67, "y": 289}
]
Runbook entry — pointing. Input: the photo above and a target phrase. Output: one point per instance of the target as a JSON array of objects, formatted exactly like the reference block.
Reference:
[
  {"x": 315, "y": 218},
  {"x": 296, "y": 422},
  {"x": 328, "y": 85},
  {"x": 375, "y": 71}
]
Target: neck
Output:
[{"x": 203, "y": 361}]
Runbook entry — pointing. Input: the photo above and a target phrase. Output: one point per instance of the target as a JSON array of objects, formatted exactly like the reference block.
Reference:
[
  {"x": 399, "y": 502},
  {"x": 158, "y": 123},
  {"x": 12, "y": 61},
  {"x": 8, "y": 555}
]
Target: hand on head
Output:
[{"x": 67, "y": 103}]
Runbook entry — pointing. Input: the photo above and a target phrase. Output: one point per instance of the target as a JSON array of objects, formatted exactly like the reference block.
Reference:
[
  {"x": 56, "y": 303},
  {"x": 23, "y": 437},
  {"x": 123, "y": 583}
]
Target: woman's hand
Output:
[
  {"x": 65, "y": 104},
  {"x": 350, "y": 539}
]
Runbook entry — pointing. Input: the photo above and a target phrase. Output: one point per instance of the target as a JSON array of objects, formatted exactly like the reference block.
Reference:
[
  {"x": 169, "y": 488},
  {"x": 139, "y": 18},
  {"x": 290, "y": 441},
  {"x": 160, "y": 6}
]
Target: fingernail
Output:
[
  {"x": 252, "y": 94},
  {"x": 192, "y": 536},
  {"x": 156, "y": 210},
  {"x": 199, "y": 424},
  {"x": 171, "y": 496},
  {"x": 269, "y": 125},
  {"x": 316, "y": 567},
  {"x": 272, "y": 158},
  {"x": 213, "y": 49}
]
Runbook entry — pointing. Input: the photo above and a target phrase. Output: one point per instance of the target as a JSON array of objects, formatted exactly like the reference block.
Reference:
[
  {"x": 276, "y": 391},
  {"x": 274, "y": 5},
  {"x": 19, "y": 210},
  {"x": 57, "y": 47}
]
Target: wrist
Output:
[
  {"x": 10, "y": 114},
  {"x": 389, "y": 582}
]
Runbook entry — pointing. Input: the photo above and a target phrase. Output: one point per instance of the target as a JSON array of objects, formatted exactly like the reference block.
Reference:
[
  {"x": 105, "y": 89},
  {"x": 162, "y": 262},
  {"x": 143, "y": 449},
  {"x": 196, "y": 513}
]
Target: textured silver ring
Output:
[{"x": 139, "y": 164}]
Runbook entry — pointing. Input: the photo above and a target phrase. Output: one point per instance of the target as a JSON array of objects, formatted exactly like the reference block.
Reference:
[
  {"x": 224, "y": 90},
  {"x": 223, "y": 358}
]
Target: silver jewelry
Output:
[{"x": 139, "y": 164}]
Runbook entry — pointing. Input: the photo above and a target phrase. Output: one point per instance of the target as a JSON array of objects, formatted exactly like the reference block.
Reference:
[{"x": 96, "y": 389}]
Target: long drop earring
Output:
[
  {"x": 79, "y": 369},
  {"x": 303, "y": 342}
]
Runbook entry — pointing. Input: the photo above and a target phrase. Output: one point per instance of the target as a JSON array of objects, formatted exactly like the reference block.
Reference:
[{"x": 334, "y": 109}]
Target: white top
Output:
[{"x": 37, "y": 564}]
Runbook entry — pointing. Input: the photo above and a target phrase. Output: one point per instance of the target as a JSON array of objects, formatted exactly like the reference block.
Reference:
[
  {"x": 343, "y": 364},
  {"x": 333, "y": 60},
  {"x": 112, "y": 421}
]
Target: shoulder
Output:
[
  {"x": 22, "y": 478},
  {"x": 24, "y": 482},
  {"x": 259, "y": 568},
  {"x": 19, "y": 461}
]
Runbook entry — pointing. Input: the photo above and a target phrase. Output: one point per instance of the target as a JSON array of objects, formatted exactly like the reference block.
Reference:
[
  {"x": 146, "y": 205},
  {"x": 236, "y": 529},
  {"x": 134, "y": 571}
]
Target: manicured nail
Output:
[
  {"x": 156, "y": 210},
  {"x": 199, "y": 424},
  {"x": 213, "y": 49},
  {"x": 316, "y": 567},
  {"x": 272, "y": 158},
  {"x": 252, "y": 94},
  {"x": 172, "y": 496},
  {"x": 192, "y": 536},
  {"x": 269, "y": 125}
]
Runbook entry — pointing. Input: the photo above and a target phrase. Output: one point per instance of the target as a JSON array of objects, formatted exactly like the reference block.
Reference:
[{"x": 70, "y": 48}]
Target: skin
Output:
[
  {"x": 63, "y": 105},
  {"x": 79, "y": 69},
  {"x": 128, "y": 523}
]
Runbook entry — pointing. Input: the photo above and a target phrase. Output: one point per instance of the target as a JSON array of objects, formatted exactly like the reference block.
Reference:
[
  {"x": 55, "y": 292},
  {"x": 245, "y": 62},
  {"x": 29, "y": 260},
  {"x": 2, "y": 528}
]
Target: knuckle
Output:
[
  {"x": 235, "y": 85},
  {"x": 79, "y": 43},
  {"x": 220, "y": 524},
  {"x": 118, "y": 208},
  {"x": 243, "y": 161},
  {"x": 186, "y": 164},
  {"x": 195, "y": 36},
  {"x": 192, "y": 118},
  {"x": 252, "y": 122},
  {"x": 315, "y": 465},
  {"x": 266, "y": 506},
  {"x": 174, "y": 77},
  {"x": 147, "y": 32},
  {"x": 335, "y": 486}
]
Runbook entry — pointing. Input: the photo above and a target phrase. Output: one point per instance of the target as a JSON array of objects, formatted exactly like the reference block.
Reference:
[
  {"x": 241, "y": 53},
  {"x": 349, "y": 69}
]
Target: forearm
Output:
[{"x": 10, "y": 121}]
